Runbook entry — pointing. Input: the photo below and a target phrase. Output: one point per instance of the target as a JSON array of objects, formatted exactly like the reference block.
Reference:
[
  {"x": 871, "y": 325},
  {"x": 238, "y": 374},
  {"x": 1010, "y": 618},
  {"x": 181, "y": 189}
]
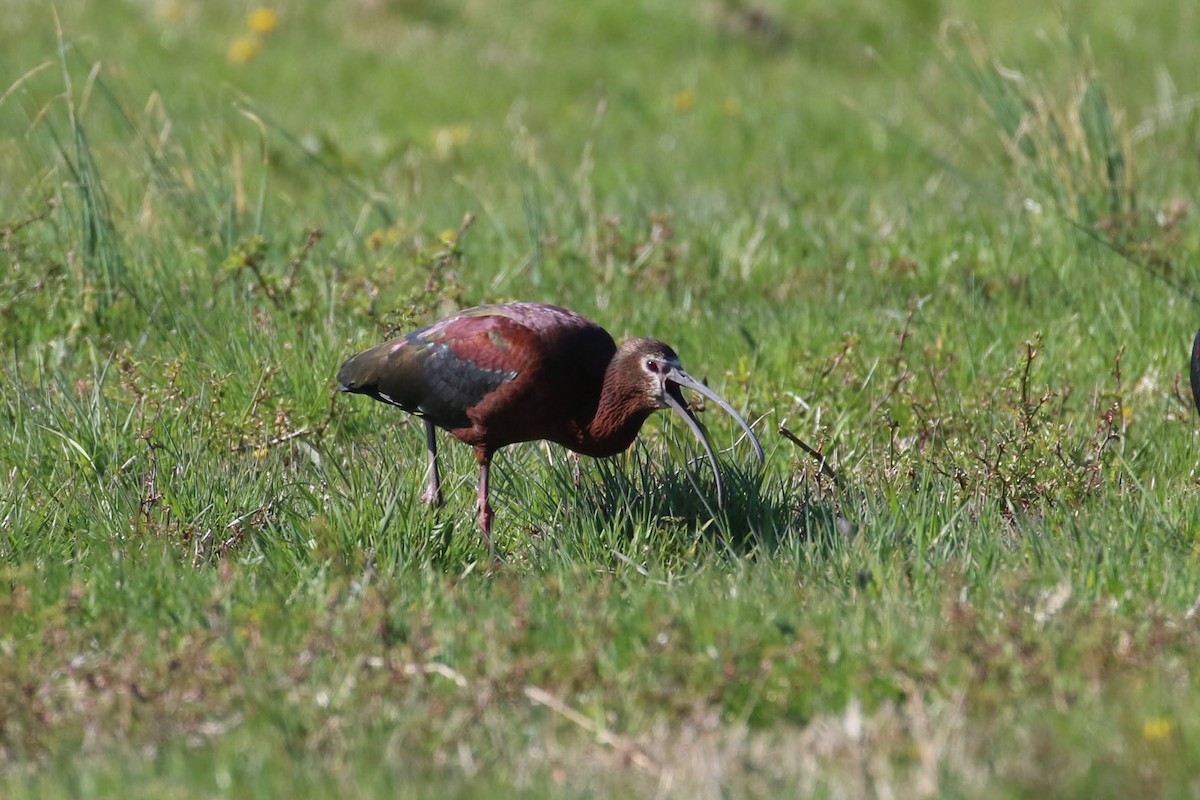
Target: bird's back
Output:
[{"x": 493, "y": 375}]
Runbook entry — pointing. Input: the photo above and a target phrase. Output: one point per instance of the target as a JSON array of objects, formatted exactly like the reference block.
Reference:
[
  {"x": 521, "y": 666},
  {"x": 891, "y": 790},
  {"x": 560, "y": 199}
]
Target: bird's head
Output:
[{"x": 660, "y": 378}]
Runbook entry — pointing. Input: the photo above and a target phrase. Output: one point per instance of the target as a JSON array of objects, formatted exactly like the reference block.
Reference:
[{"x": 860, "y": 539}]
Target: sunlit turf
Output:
[{"x": 948, "y": 246}]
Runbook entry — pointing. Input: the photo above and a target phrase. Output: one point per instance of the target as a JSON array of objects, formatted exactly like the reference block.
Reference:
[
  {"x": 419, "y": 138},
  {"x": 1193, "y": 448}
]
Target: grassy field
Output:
[{"x": 947, "y": 244}]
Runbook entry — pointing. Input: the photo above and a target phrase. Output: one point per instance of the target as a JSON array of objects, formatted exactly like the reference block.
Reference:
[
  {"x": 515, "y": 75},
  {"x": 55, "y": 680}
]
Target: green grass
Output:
[{"x": 947, "y": 245}]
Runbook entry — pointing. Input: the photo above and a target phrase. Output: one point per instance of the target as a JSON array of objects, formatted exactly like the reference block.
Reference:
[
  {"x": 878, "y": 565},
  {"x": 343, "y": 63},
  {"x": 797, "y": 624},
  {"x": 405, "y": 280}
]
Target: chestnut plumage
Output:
[{"x": 518, "y": 372}]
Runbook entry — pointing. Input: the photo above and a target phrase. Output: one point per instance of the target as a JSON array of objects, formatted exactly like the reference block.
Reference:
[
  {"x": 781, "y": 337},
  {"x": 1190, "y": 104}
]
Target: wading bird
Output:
[{"x": 518, "y": 372}]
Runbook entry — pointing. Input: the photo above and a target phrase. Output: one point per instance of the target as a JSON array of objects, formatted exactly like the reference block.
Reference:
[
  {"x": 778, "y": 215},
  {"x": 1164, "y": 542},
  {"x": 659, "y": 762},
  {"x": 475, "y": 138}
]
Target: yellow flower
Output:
[
  {"x": 1156, "y": 729},
  {"x": 385, "y": 236},
  {"x": 684, "y": 100},
  {"x": 262, "y": 20},
  {"x": 170, "y": 11},
  {"x": 449, "y": 237},
  {"x": 243, "y": 49},
  {"x": 447, "y": 140}
]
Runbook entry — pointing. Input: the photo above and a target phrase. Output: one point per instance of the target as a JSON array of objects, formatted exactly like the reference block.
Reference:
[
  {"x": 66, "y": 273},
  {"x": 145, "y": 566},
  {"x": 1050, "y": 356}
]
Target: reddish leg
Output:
[
  {"x": 485, "y": 509},
  {"x": 433, "y": 493}
]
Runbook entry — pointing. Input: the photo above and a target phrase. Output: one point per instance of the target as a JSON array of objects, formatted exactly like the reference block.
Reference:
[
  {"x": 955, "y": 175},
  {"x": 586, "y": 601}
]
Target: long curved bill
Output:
[{"x": 681, "y": 378}]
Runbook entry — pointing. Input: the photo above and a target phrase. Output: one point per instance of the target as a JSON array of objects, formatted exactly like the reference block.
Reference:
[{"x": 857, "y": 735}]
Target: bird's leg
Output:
[
  {"x": 433, "y": 493},
  {"x": 485, "y": 509}
]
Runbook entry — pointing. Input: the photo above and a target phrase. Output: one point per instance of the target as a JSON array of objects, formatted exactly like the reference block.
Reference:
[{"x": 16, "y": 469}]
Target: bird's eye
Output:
[{"x": 651, "y": 365}]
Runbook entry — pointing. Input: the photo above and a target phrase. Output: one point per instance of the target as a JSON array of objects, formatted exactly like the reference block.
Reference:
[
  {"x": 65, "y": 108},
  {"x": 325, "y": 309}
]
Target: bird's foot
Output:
[{"x": 432, "y": 496}]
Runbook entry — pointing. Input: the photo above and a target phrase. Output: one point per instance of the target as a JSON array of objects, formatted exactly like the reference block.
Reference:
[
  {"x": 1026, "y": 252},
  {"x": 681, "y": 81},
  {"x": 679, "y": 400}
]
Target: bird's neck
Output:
[{"x": 618, "y": 418}]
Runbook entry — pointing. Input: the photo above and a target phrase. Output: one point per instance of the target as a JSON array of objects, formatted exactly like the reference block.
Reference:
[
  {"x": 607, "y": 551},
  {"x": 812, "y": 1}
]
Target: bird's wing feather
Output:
[
  {"x": 1195, "y": 371},
  {"x": 462, "y": 370},
  {"x": 443, "y": 371}
]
